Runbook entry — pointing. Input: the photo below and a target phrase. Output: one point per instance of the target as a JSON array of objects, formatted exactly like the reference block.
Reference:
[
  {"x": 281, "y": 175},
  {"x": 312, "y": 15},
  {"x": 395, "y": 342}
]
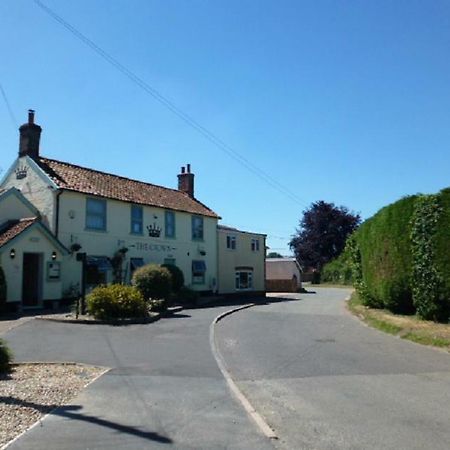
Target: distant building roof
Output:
[
  {"x": 280, "y": 259},
  {"x": 282, "y": 268},
  {"x": 236, "y": 230},
  {"x": 93, "y": 182}
]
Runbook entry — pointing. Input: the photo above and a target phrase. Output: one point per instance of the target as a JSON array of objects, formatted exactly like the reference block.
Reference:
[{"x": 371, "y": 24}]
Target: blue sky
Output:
[{"x": 341, "y": 101}]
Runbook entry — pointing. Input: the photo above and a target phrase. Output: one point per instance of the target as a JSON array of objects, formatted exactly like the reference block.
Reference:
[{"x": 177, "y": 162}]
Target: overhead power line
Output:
[
  {"x": 8, "y": 107},
  {"x": 219, "y": 143}
]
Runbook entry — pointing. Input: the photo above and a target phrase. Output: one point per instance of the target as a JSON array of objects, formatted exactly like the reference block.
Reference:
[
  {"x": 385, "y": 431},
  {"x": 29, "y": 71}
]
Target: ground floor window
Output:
[
  {"x": 97, "y": 269},
  {"x": 244, "y": 280},
  {"x": 198, "y": 272},
  {"x": 135, "y": 263}
]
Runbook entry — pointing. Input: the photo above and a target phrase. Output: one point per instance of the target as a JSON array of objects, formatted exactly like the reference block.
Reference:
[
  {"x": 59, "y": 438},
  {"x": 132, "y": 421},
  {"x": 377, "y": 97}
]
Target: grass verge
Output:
[{"x": 406, "y": 327}]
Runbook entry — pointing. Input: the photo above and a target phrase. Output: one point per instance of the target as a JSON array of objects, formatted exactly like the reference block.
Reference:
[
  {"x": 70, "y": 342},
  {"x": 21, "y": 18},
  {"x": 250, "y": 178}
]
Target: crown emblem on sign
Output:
[
  {"x": 154, "y": 230},
  {"x": 21, "y": 172}
]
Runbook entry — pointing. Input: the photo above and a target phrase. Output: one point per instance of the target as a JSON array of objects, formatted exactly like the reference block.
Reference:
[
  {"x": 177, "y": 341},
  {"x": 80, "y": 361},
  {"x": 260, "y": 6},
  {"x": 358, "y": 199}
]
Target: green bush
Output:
[
  {"x": 116, "y": 301},
  {"x": 338, "y": 271},
  {"x": 5, "y": 356},
  {"x": 187, "y": 296},
  {"x": 153, "y": 282},
  {"x": 429, "y": 292},
  {"x": 442, "y": 254},
  {"x": 384, "y": 244},
  {"x": 400, "y": 257},
  {"x": 177, "y": 277},
  {"x": 2, "y": 290},
  {"x": 158, "y": 305}
]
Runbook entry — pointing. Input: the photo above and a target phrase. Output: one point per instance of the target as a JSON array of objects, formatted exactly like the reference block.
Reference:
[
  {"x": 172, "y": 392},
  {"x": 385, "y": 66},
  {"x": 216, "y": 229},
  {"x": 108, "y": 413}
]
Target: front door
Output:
[{"x": 31, "y": 279}]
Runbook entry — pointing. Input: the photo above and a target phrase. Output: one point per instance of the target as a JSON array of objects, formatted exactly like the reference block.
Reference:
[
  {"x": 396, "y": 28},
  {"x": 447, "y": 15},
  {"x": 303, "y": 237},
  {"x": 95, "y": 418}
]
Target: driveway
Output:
[
  {"x": 323, "y": 380},
  {"x": 164, "y": 390}
]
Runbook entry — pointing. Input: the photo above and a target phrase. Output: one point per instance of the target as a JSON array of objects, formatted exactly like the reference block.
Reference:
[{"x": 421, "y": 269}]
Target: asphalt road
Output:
[
  {"x": 164, "y": 390},
  {"x": 323, "y": 380},
  {"x": 320, "y": 378}
]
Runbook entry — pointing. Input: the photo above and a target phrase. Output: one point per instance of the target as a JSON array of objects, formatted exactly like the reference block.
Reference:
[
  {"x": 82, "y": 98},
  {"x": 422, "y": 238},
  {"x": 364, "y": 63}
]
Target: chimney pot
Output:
[
  {"x": 186, "y": 181},
  {"x": 30, "y": 135}
]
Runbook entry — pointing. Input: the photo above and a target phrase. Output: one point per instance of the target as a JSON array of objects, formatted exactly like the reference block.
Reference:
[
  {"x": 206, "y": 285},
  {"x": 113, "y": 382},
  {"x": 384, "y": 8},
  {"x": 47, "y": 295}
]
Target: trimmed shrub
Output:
[
  {"x": 187, "y": 296},
  {"x": 5, "y": 356},
  {"x": 384, "y": 245},
  {"x": 426, "y": 278},
  {"x": 2, "y": 290},
  {"x": 177, "y": 277},
  {"x": 400, "y": 259},
  {"x": 116, "y": 301},
  {"x": 442, "y": 254},
  {"x": 158, "y": 305},
  {"x": 338, "y": 271},
  {"x": 153, "y": 282}
]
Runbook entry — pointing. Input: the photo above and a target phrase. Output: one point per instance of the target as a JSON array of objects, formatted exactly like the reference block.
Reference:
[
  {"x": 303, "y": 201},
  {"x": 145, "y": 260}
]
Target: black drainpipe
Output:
[{"x": 58, "y": 193}]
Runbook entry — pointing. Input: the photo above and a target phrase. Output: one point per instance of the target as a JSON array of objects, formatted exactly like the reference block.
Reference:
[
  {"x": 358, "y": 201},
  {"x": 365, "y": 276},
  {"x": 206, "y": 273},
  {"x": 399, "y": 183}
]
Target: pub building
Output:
[{"x": 64, "y": 227}]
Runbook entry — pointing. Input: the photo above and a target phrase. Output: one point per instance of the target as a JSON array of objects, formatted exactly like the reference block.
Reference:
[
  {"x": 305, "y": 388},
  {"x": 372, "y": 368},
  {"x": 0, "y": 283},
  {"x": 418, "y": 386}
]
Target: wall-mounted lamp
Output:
[
  {"x": 54, "y": 256},
  {"x": 12, "y": 253}
]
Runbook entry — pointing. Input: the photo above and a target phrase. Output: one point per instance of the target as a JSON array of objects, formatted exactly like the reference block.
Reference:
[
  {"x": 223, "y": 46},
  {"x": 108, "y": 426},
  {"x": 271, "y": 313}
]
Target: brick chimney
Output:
[
  {"x": 30, "y": 135},
  {"x": 186, "y": 181}
]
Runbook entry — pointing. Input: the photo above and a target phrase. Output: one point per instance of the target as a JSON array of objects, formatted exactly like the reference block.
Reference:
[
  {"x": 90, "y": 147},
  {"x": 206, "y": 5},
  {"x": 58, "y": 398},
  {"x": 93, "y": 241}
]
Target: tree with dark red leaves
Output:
[{"x": 322, "y": 233}]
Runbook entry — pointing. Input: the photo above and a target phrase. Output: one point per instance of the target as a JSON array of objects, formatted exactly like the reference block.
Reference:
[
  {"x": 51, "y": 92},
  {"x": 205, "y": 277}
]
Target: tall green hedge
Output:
[
  {"x": 400, "y": 257},
  {"x": 386, "y": 256}
]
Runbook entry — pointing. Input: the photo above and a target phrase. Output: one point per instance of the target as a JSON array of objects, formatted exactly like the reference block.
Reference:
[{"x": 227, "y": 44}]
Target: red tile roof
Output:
[
  {"x": 93, "y": 182},
  {"x": 13, "y": 228}
]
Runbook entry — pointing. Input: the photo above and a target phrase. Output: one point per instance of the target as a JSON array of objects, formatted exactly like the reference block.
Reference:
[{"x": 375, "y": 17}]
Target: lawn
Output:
[{"x": 406, "y": 327}]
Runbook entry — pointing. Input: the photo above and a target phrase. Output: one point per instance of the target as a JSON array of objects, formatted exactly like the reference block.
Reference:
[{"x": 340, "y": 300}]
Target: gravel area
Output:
[{"x": 30, "y": 391}]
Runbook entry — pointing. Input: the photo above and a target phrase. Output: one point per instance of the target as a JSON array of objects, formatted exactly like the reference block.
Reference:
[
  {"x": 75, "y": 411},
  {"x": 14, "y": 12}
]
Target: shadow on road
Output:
[
  {"x": 68, "y": 412},
  {"x": 238, "y": 301}
]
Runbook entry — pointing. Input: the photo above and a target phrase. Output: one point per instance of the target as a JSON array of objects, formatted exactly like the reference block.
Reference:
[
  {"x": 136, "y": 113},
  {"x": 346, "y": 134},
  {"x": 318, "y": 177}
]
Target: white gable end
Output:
[{"x": 32, "y": 182}]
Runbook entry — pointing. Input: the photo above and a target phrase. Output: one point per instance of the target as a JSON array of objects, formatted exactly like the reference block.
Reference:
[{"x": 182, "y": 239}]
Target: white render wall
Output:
[
  {"x": 33, "y": 241},
  {"x": 72, "y": 220},
  {"x": 242, "y": 256},
  {"x": 34, "y": 188},
  {"x": 12, "y": 208}
]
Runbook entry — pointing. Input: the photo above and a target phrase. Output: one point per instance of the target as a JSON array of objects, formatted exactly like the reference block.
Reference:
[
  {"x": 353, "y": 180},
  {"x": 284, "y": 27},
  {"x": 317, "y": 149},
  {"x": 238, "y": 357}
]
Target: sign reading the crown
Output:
[{"x": 154, "y": 230}]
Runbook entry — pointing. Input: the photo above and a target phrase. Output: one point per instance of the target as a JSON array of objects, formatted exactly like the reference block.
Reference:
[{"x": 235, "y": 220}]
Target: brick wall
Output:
[{"x": 281, "y": 285}]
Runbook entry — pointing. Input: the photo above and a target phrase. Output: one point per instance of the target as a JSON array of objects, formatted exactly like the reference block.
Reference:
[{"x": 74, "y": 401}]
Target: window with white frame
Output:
[
  {"x": 255, "y": 245},
  {"x": 231, "y": 242},
  {"x": 198, "y": 272},
  {"x": 96, "y": 214},
  {"x": 137, "y": 219},
  {"x": 244, "y": 280}
]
